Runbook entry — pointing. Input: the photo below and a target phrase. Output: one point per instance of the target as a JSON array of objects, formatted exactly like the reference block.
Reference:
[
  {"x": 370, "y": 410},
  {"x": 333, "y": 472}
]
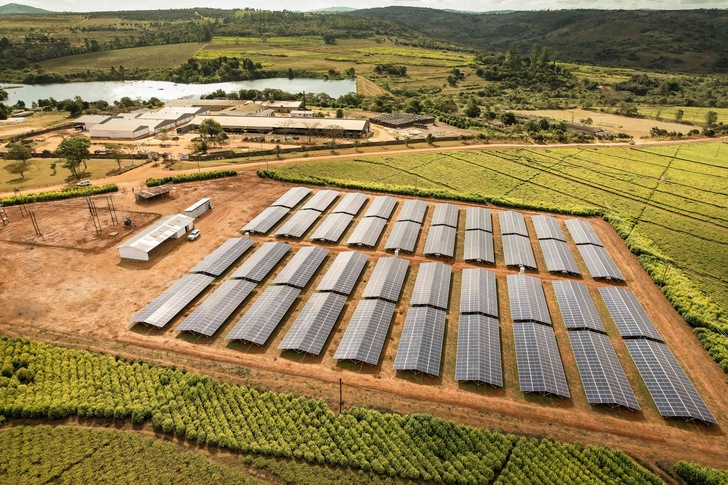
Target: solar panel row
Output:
[
  {"x": 218, "y": 261},
  {"x": 387, "y": 279},
  {"x": 558, "y": 257},
  {"x": 302, "y": 266},
  {"x": 479, "y": 292},
  {"x": 364, "y": 337},
  {"x": 432, "y": 287},
  {"x": 382, "y": 207},
  {"x": 478, "y": 218},
  {"x": 291, "y": 198},
  {"x": 173, "y": 300},
  {"x": 321, "y": 200},
  {"x": 539, "y": 363},
  {"x": 517, "y": 251},
  {"x": 512, "y": 223},
  {"x": 257, "y": 267},
  {"x": 403, "y": 236},
  {"x": 441, "y": 241},
  {"x": 413, "y": 210},
  {"x": 264, "y": 221},
  {"x": 445, "y": 215},
  {"x": 628, "y": 315},
  {"x": 367, "y": 232},
  {"x": 547, "y": 227},
  {"x": 479, "y": 351},
  {"x": 577, "y": 307},
  {"x": 582, "y": 232},
  {"x": 527, "y": 300},
  {"x": 351, "y": 203},
  {"x": 313, "y": 325},
  {"x": 479, "y": 247},
  {"x": 217, "y": 308},
  {"x": 264, "y": 315},
  {"x": 344, "y": 273},
  {"x": 420, "y": 345},
  {"x": 298, "y": 224},
  {"x": 332, "y": 228},
  {"x": 599, "y": 263}
]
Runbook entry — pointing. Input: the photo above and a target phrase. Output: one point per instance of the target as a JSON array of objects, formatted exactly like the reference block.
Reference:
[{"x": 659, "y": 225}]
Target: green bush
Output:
[
  {"x": 695, "y": 474},
  {"x": 58, "y": 194},
  {"x": 190, "y": 177}
]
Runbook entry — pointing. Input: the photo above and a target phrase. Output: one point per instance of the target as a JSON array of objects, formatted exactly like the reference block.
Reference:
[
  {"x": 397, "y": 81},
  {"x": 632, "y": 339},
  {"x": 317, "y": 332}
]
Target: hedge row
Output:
[
  {"x": 190, "y": 177},
  {"x": 50, "y": 195},
  {"x": 694, "y": 474},
  {"x": 698, "y": 310}
]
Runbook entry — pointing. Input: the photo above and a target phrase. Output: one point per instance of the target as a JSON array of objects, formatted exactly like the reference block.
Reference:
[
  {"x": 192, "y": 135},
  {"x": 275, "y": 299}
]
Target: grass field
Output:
[
  {"x": 38, "y": 121},
  {"x": 692, "y": 114}
]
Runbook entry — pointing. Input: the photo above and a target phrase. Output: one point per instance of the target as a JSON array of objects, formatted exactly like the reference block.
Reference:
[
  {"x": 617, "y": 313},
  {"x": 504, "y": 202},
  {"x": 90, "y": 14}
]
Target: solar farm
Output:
[{"x": 432, "y": 294}]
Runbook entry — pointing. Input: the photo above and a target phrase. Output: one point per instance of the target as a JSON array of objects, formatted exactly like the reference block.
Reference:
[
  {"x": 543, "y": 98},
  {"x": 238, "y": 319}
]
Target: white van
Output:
[{"x": 83, "y": 183}]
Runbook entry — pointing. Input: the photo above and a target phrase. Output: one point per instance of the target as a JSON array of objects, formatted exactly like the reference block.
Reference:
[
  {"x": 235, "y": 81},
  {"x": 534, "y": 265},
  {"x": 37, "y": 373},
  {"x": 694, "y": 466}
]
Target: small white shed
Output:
[
  {"x": 198, "y": 208},
  {"x": 171, "y": 227}
]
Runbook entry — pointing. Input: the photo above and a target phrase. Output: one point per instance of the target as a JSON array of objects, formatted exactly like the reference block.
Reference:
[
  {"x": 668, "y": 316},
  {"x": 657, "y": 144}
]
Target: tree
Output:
[
  {"x": 508, "y": 118},
  {"x": 472, "y": 110},
  {"x": 211, "y": 131},
  {"x": 339, "y": 113},
  {"x": 711, "y": 118},
  {"x": 74, "y": 151},
  {"x": 18, "y": 168},
  {"x": 329, "y": 39},
  {"x": 116, "y": 152},
  {"x": 430, "y": 139},
  {"x": 18, "y": 151},
  {"x": 679, "y": 115},
  {"x": 3, "y": 95}
]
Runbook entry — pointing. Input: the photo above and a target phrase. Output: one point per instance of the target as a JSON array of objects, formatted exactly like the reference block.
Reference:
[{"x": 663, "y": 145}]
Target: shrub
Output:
[
  {"x": 191, "y": 177},
  {"x": 58, "y": 194}
]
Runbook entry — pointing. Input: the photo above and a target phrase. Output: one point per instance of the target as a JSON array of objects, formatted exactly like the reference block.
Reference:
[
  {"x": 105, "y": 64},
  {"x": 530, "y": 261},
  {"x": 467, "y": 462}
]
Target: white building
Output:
[
  {"x": 171, "y": 227},
  {"x": 198, "y": 208}
]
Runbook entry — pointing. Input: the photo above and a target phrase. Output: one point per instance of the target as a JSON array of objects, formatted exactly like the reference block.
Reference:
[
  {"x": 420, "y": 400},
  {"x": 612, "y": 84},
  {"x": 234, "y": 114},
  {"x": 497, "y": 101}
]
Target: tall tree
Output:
[
  {"x": 679, "y": 115},
  {"x": 75, "y": 152},
  {"x": 116, "y": 152},
  {"x": 211, "y": 131},
  {"x": 711, "y": 118}
]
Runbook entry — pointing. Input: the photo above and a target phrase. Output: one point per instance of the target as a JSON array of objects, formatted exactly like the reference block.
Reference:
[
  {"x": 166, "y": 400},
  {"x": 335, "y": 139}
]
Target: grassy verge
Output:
[{"x": 58, "y": 194}]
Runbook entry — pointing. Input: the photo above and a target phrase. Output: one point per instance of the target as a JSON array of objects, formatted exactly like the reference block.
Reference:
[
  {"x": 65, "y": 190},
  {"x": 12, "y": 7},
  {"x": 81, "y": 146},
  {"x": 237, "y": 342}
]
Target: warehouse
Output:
[
  {"x": 402, "y": 120},
  {"x": 323, "y": 127},
  {"x": 136, "y": 125},
  {"x": 171, "y": 227}
]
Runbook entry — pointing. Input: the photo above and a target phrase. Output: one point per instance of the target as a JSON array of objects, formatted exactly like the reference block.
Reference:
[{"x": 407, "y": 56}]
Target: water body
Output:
[{"x": 114, "y": 90}]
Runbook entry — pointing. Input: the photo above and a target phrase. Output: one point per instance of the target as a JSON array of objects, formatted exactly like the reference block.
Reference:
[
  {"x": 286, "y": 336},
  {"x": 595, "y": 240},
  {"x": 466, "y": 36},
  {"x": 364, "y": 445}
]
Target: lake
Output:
[{"x": 114, "y": 90}]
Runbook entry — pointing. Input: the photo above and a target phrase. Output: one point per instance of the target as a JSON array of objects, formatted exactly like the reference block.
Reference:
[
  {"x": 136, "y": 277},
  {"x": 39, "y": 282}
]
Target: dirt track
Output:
[{"x": 84, "y": 298}]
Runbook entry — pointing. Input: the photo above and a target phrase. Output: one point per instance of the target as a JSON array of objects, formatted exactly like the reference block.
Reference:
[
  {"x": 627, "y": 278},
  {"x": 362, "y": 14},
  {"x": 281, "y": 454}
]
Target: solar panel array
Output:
[
  {"x": 263, "y": 316},
  {"x": 420, "y": 345},
  {"x": 478, "y": 218},
  {"x": 387, "y": 279},
  {"x": 313, "y": 325},
  {"x": 527, "y": 300},
  {"x": 445, "y": 215},
  {"x": 403, "y": 236},
  {"x": 582, "y": 232},
  {"x": 547, "y": 227},
  {"x": 302, "y": 266},
  {"x": 669, "y": 386},
  {"x": 212, "y": 313},
  {"x": 332, "y": 228},
  {"x": 479, "y": 292},
  {"x": 558, "y": 257},
  {"x": 479, "y": 351},
  {"x": 264, "y": 221},
  {"x": 321, "y": 200},
  {"x": 413, "y": 210},
  {"x": 367, "y": 232},
  {"x": 577, "y": 307},
  {"x": 601, "y": 373},
  {"x": 512, "y": 223},
  {"x": 292, "y": 198},
  {"x": 300, "y": 222},
  {"x": 517, "y": 251},
  {"x": 479, "y": 247},
  {"x": 172, "y": 300},
  {"x": 432, "y": 287},
  {"x": 382, "y": 207},
  {"x": 599, "y": 263},
  {"x": 223, "y": 257},
  {"x": 257, "y": 266},
  {"x": 539, "y": 363},
  {"x": 628, "y": 315},
  {"x": 343, "y": 273},
  {"x": 351, "y": 203},
  {"x": 364, "y": 337},
  {"x": 441, "y": 241}
]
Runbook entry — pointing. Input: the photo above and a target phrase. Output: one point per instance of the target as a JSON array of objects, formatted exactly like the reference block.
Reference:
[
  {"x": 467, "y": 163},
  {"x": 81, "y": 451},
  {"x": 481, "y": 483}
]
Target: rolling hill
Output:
[{"x": 16, "y": 8}]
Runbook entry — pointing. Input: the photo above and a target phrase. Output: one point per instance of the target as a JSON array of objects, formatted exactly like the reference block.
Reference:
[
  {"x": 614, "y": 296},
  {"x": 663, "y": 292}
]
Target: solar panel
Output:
[
  {"x": 364, "y": 337},
  {"x": 387, "y": 279},
  {"x": 173, "y": 300},
  {"x": 413, "y": 210},
  {"x": 263, "y": 316},
  {"x": 301, "y": 267},
  {"x": 577, "y": 307},
  {"x": 257, "y": 266},
  {"x": 367, "y": 232},
  {"x": 601, "y": 373},
  {"x": 343, "y": 273},
  {"x": 479, "y": 351},
  {"x": 264, "y": 221},
  {"x": 478, "y": 218},
  {"x": 212, "y": 313},
  {"x": 528, "y": 302},
  {"x": 627, "y": 313},
  {"x": 291, "y": 198},
  {"x": 420, "y": 346},
  {"x": 479, "y": 292},
  {"x": 512, "y": 223},
  {"x": 382, "y": 207},
  {"x": 445, "y": 215},
  {"x": 223, "y": 257},
  {"x": 332, "y": 228},
  {"x": 432, "y": 287},
  {"x": 351, "y": 203},
  {"x": 314, "y": 324},
  {"x": 321, "y": 200},
  {"x": 582, "y": 232},
  {"x": 539, "y": 363},
  {"x": 441, "y": 241},
  {"x": 670, "y": 388},
  {"x": 403, "y": 236},
  {"x": 517, "y": 251},
  {"x": 547, "y": 227},
  {"x": 298, "y": 224},
  {"x": 558, "y": 257},
  {"x": 599, "y": 263},
  {"x": 479, "y": 247}
]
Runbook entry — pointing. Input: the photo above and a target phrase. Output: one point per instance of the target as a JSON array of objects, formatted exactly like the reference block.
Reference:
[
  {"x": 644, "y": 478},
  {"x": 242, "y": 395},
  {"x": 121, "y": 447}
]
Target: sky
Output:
[{"x": 474, "y": 5}]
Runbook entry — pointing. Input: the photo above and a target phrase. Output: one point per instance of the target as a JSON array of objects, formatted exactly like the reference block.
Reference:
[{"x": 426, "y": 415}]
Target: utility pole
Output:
[{"x": 341, "y": 395}]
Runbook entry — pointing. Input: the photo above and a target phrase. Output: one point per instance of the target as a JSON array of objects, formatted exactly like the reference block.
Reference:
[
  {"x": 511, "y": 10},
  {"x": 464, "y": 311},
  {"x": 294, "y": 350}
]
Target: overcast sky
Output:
[{"x": 477, "y": 5}]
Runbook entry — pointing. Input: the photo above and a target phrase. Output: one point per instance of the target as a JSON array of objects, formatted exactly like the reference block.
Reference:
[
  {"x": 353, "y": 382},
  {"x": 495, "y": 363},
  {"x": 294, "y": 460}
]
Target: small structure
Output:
[
  {"x": 149, "y": 193},
  {"x": 302, "y": 114},
  {"x": 198, "y": 208},
  {"x": 324, "y": 127},
  {"x": 86, "y": 122},
  {"x": 171, "y": 227},
  {"x": 402, "y": 120},
  {"x": 283, "y": 106}
]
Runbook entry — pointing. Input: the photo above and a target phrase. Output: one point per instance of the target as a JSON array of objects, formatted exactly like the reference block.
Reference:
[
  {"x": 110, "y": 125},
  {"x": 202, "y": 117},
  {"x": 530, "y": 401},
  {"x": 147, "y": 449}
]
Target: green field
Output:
[{"x": 692, "y": 114}]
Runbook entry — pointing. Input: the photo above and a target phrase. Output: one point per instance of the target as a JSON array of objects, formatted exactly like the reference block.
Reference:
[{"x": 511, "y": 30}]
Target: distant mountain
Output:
[
  {"x": 16, "y": 8},
  {"x": 333, "y": 10},
  {"x": 673, "y": 40}
]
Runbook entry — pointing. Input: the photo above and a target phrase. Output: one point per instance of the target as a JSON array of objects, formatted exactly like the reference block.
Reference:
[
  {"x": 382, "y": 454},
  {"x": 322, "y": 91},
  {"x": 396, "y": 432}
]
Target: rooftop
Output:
[{"x": 156, "y": 234}]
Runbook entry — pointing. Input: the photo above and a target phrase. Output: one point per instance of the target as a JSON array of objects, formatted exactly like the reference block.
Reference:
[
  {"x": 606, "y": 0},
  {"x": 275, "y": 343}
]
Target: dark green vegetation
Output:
[
  {"x": 670, "y": 40},
  {"x": 58, "y": 194},
  {"x": 191, "y": 177},
  {"x": 16, "y": 8},
  {"x": 694, "y": 474},
  {"x": 40, "y": 381},
  {"x": 668, "y": 203}
]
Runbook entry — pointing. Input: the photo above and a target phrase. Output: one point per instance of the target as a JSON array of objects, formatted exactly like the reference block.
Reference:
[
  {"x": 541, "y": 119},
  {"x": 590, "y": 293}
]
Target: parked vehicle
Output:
[
  {"x": 83, "y": 183},
  {"x": 194, "y": 235}
]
